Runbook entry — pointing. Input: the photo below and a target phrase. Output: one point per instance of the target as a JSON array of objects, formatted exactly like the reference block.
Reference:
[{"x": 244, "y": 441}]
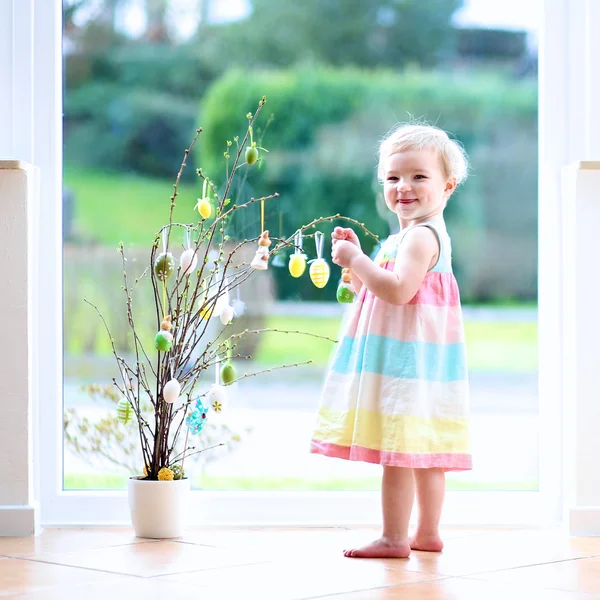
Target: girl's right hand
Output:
[{"x": 345, "y": 233}]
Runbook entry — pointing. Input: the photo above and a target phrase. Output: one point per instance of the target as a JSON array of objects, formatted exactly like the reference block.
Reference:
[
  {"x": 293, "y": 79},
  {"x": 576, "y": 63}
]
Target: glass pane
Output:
[{"x": 141, "y": 75}]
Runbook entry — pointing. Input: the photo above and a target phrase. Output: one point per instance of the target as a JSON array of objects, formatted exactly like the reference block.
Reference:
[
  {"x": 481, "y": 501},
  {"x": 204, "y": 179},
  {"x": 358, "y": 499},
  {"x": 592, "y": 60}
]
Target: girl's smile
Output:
[{"x": 415, "y": 186}]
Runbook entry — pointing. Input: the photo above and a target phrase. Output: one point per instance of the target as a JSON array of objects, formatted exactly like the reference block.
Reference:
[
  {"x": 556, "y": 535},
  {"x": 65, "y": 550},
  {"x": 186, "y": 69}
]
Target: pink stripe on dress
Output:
[
  {"x": 418, "y": 323},
  {"x": 438, "y": 289},
  {"x": 446, "y": 462}
]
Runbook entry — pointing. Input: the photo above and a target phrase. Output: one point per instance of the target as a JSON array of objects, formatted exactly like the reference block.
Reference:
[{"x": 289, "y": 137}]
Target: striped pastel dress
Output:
[{"x": 397, "y": 390}]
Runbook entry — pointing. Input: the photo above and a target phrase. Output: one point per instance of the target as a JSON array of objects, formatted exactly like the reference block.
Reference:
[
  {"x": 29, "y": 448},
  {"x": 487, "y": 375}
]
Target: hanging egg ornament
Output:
[
  {"x": 217, "y": 397},
  {"x": 221, "y": 302},
  {"x": 297, "y": 264},
  {"x": 226, "y": 314},
  {"x": 164, "y": 338},
  {"x": 197, "y": 417},
  {"x": 188, "y": 261},
  {"x": 251, "y": 155},
  {"x": 319, "y": 272},
  {"x": 204, "y": 207},
  {"x": 163, "y": 341},
  {"x": 261, "y": 258},
  {"x": 207, "y": 310},
  {"x": 164, "y": 265},
  {"x": 345, "y": 291},
  {"x": 171, "y": 391},
  {"x": 124, "y": 411},
  {"x": 239, "y": 307},
  {"x": 227, "y": 373}
]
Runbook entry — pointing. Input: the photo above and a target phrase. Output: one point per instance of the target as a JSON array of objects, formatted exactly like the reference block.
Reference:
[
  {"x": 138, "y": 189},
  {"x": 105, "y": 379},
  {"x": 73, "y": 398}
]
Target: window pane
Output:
[{"x": 140, "y": 76}]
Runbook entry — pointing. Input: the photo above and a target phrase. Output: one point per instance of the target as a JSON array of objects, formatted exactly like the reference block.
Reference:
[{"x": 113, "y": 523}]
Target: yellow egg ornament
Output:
[
  {"x": 319, "y": 269},
  {"x": 203, "y": 205},
  {"x": 319, "y": 272},
  {"x": 297, "y": 264}
]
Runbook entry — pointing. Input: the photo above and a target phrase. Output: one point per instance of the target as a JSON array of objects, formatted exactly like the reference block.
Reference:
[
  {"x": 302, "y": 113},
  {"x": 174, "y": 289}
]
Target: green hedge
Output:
[
  {"x": 133, "y": 107},
  {"x": 323, "y": 139}
]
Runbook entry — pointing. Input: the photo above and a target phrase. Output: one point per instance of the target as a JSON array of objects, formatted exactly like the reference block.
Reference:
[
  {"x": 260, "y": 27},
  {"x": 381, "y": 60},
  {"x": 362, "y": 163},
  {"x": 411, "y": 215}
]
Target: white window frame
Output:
[{"x": 330, "y": 508}]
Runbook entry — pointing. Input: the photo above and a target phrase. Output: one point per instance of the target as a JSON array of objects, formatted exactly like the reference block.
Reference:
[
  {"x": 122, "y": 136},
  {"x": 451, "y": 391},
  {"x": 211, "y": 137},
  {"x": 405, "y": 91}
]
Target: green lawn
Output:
[
  {"x": 110, "y": 207},
  {"x": 491, "y": 346},
  {"x": 88, "y": 481}
]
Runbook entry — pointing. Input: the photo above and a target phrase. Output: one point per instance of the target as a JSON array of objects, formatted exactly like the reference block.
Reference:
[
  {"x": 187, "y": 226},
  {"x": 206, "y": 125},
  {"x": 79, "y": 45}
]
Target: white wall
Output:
[
  {"x": 18, "y": 193},
  {"x": 16, "y": 76},
  {"x": 569, "y": 133},
  {"x": 30, "y": 130}
]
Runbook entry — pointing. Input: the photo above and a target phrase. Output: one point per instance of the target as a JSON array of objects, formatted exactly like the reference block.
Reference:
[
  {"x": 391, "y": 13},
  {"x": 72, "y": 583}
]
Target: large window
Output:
[{"x": 141, "y": 76}]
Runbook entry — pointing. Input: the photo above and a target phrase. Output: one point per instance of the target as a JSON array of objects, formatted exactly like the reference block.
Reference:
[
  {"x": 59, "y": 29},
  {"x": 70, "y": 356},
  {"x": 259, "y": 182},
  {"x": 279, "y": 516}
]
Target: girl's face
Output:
[{"x": 415, "y": 187}]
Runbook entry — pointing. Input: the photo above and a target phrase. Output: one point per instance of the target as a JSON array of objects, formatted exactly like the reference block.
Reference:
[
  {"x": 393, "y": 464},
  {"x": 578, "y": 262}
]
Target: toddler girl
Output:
[{"x": 397, "y": 390}]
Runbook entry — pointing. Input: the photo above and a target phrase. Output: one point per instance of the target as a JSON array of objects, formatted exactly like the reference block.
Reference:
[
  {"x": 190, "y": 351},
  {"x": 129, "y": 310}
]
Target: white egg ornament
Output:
[
  {"x": 188, "y": 261},
  {"x": 217, "y": 397},
  {"x": 227, "y": 314},
  {"x": 171, "y": 391}
]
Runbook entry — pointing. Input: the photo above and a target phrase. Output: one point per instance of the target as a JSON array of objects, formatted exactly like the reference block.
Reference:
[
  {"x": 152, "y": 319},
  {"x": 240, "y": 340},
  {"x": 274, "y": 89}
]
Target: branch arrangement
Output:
[{"x": 158, "y": 384}]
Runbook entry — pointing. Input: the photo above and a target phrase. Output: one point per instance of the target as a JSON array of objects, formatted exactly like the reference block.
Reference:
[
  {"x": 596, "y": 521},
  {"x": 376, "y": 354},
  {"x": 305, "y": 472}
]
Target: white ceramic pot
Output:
[{"x": 159, "y": 509}]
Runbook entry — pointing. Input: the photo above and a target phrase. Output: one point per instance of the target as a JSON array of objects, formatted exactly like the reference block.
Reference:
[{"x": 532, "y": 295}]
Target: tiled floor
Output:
[{"x": 288, "y": 564}]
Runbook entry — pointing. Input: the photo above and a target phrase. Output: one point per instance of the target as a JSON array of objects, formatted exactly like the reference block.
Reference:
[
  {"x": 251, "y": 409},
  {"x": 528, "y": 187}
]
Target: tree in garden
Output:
[{"x": 367, "y": 33}]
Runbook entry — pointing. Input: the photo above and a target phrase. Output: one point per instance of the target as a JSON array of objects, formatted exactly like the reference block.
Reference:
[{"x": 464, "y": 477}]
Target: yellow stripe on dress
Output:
[{"x": 392, "y": 433}]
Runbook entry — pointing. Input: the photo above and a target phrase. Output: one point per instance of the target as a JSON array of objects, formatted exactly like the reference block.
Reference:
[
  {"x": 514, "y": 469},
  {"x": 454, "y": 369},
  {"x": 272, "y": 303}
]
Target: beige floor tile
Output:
[
  {"x": 18, "y": 576},
  {"x": 273, "y": 543},
  {"x": 460, "y": 589},
  {"x": 154, "y": 559},
  {"x": 291, "y": 580},
  {"x": 66, "y": 540},
  {"x": 492, "y": 552},
  {"x": 582, "y": 575},
  {"x": 133, "y": 588}
]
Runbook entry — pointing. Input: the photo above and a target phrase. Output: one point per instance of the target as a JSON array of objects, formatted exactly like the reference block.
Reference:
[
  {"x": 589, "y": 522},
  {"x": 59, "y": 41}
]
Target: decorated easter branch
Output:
[{"x": 194, "y": 270}]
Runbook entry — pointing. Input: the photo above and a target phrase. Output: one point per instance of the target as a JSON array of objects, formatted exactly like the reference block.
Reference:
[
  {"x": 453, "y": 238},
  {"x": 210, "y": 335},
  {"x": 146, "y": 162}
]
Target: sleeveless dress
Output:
[{"x": 397, "y": 390}]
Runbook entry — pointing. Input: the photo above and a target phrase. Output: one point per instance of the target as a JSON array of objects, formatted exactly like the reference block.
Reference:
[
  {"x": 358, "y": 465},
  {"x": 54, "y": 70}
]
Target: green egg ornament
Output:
[
  {"x": 344, "y": 294},
  {"x": 124, "y": 411},
  {"x": 163, "y": 341},
  {"x": 164, "y": 265},
  {"x": 251, "y": 155},
  {"x": 178, "y": 472},
  {"x": 227, "y": 373}
]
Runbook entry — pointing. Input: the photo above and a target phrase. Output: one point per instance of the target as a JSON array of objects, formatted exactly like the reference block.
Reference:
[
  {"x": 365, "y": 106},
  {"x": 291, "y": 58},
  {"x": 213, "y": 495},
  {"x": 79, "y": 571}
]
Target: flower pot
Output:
[{"x": 159, "y": 509}]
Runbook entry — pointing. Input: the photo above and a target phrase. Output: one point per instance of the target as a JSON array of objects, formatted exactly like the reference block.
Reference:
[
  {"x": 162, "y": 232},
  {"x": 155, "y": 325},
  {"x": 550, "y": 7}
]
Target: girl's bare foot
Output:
[
  {"x": 426, "y": 543},
  {"x": 381, "y": 548}
]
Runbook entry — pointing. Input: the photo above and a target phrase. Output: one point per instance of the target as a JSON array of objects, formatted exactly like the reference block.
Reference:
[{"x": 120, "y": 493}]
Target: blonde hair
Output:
[{"x": 407, "y": 136}]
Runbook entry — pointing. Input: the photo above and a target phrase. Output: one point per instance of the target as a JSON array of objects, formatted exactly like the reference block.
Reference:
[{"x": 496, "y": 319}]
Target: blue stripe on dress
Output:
[{"x": 402, "y": 360}]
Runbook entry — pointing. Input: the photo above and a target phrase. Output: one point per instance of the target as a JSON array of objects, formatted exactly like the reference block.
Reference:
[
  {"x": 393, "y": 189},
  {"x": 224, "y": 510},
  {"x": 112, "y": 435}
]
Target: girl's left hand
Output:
[{"x": 343, "y": 252}]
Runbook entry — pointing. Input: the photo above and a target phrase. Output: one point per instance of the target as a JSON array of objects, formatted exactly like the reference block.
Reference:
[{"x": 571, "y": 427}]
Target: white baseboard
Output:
[
  {"x": 584, "y": 521},
  {"x": 19, "y": 521}
]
